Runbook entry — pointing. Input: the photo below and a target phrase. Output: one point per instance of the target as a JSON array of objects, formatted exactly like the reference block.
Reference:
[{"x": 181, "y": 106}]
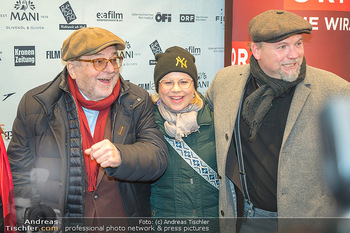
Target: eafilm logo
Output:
[{"x": 110, "y": 16}]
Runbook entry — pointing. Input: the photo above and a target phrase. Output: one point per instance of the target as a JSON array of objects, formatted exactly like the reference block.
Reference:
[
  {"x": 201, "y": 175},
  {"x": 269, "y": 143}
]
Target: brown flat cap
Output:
[
  {"x": 88, "y": 41},
  {"x": 276, "y": 25}
]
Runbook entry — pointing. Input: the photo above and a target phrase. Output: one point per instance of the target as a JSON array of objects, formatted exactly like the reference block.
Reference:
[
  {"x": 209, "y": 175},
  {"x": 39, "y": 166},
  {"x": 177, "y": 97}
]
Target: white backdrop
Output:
[{"x": 32, "y": 33}]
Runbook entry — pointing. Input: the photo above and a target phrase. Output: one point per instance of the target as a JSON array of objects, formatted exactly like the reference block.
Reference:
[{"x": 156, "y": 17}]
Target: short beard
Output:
[{"x": 291, "y": 76}]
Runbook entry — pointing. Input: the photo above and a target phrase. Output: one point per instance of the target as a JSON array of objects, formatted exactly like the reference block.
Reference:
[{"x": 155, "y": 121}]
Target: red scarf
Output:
[{"x": 103, "y": 106}]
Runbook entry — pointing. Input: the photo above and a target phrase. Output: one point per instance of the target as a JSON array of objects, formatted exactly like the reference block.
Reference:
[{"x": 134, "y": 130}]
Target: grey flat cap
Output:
[{"x": 276, "y": 25}]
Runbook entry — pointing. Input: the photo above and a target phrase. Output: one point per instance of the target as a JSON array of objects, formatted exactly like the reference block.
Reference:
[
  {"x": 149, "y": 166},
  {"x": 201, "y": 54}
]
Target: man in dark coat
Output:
[{"x": 86, "y": 144}]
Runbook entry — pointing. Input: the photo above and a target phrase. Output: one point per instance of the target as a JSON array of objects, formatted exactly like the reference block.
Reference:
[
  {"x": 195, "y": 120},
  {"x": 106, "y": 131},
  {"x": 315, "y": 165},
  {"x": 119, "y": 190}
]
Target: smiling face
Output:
[
  {"x": 176, "y": 98},
  {"x": 95, "y": 85},
  {"x": 282, "y": 59}
]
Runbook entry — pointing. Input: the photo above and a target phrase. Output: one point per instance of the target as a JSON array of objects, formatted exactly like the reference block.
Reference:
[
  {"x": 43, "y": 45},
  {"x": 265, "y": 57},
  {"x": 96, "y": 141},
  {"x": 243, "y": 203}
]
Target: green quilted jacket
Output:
[{"x": 181, "y": 191}]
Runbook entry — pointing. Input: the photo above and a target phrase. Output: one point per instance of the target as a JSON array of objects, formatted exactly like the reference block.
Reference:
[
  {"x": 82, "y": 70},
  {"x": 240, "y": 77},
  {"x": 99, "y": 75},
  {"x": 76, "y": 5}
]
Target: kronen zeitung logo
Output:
[{"x": 24, "y": 55}]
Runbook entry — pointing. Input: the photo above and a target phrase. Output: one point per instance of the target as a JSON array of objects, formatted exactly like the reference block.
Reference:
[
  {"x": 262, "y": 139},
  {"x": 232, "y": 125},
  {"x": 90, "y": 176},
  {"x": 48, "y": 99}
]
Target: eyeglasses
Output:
[
  {"x": 183, "y": 83},
  {"x": 101, "y": 63}
]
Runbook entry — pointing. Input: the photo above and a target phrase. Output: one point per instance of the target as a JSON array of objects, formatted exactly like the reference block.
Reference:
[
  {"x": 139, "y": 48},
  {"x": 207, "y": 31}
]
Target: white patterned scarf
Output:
[{"x": 179, "y": 124}]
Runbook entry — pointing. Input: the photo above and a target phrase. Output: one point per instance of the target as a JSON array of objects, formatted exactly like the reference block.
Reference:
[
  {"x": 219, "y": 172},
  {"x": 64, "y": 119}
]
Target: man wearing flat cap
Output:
[
  {"x": 86, "y": 144},
  {"x": 267, "y": 127}
]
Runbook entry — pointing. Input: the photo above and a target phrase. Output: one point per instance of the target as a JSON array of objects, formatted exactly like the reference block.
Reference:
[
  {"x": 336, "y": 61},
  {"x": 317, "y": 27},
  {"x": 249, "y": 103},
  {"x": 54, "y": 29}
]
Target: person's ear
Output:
[
  {"x": 256, "y": 51},
  {"x": 71, "y": 68}
]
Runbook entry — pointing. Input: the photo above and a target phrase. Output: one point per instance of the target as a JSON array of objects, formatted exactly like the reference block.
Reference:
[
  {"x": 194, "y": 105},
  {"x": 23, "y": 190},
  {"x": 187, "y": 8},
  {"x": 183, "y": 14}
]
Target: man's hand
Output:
[{"x": 105, "y": 153}]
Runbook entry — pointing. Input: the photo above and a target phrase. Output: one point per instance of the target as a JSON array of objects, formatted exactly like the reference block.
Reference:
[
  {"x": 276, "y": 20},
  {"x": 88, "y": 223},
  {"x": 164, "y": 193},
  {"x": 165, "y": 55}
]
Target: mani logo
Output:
[{"x": 23, "y": 5}]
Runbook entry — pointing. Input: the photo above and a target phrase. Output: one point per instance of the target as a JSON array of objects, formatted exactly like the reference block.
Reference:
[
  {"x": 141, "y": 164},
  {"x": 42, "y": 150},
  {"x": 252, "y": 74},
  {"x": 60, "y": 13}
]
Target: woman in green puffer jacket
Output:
[{"x": 183, "y": 115}]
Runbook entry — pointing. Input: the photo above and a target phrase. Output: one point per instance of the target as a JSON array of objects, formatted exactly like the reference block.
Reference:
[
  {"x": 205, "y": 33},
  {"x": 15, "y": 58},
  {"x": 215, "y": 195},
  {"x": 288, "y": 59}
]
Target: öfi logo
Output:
[
  {"x": 22, "y": 14},
  {"x": 163, "y": 17},
  {"x": 67, "y": 12},
  {"x": 24, "y": 55}
]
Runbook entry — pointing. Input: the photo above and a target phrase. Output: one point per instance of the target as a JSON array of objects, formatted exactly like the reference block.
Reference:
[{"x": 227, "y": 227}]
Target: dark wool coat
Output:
[{"x": 45, "y": 150}]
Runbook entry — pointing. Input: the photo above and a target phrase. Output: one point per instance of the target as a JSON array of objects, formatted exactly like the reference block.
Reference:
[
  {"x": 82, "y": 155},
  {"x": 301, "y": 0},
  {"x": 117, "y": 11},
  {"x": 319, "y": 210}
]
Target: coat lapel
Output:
[
  {"x": 301, "y": 94},
  {"x": 229, "y": 105},
  {"x": 229, "y": 98}
]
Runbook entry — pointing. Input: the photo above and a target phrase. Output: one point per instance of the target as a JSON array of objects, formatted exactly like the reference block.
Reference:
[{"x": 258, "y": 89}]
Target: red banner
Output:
[
  {"x": 317, "y": 5},
  {"x": 327, "y": 47}
]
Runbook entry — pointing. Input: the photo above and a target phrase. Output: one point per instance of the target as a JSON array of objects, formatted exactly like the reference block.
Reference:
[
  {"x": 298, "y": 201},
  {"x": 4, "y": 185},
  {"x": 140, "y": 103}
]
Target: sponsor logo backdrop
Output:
[
  {"x": 327, "y": 47},
  {"x": 32, "y": 33}
]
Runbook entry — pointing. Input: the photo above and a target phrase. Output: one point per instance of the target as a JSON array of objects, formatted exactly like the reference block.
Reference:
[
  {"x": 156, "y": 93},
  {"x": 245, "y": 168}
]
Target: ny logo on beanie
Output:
[{"x": 182, "y": 61}]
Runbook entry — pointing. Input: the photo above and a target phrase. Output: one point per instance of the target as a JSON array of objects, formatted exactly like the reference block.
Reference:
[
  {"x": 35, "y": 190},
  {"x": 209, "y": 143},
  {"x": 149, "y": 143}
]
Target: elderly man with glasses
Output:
[{"x": 86, "y": 144}]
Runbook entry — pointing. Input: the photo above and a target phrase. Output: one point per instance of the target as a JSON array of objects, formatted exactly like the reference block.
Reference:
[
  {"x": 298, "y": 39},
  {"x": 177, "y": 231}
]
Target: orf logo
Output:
[
  {"x": 163, "y": 17},
  {"x": 240, "y": 53},
  {"x": 182, "y": 61},
  {"x": 187, "y": 18}
]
